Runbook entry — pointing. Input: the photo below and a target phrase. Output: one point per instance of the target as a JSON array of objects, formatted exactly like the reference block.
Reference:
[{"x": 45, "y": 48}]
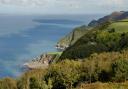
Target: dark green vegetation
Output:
[
  {"x": 107, "y": 37},
  {"x": 97, "y": 59},
  {"x": 73, "y": 36},
  {"x": 78, "y": 32}
]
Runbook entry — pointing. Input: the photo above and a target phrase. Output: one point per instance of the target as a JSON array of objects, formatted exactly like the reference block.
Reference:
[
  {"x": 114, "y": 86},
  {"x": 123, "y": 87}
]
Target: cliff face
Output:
[{"x": 72, "y": 37}]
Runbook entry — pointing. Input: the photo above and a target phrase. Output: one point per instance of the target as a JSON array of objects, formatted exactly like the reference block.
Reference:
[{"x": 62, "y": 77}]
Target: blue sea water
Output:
[{"x": 23, "y": 38}]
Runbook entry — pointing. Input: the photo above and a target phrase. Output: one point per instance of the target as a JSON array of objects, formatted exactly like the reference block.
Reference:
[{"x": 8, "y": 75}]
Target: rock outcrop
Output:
[
  {"x": 41, "y": 62},
  {"x": 71, "y": 38}
]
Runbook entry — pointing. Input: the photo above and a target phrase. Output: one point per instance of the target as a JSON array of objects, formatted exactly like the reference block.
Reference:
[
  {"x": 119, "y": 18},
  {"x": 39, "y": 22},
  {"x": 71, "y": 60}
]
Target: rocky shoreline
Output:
[{"x": 41, "y": 62}]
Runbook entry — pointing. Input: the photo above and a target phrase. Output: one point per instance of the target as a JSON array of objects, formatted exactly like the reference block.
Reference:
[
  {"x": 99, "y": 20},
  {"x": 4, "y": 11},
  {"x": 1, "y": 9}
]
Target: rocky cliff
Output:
[{"x": 72, "y": 37}]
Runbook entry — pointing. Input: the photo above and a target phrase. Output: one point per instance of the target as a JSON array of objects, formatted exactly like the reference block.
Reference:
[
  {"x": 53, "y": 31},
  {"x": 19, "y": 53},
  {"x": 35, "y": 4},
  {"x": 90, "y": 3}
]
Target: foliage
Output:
[
  {"x": 99, "y": 55},
  {"x": 8, "y": 83},
  {"x": 120, "y": 70},
  {"x": 97, "y": 67},
  {"x": 97, "y": 40},
  {"x": 67, "y": 74},
  {"x": 34, "y": 84},
  {"x": 23, "y": 82},
  {"x": 64, "y": 74},
  {"x": 99, "y": 85},
  {"x": 73, "y": 36},
  {"x": 106, "y": 67}
]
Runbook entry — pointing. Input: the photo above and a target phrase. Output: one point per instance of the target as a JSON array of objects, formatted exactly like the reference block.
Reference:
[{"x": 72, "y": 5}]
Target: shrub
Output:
[
  {"x": 120, "y": 70},
  {"x": 64, "y": 74},
  {"x": 8, "y": 83}
]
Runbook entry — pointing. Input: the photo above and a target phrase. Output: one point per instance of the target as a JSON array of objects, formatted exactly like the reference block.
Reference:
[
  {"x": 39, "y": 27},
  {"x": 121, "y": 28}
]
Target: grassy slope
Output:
[{"x": 120, "y": 26}]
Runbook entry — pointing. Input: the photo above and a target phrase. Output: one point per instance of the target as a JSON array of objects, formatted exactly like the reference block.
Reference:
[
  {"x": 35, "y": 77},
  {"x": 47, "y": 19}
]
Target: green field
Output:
[
  {"x": 124, "y": 20},
  {"x": 120, "y": 26}
]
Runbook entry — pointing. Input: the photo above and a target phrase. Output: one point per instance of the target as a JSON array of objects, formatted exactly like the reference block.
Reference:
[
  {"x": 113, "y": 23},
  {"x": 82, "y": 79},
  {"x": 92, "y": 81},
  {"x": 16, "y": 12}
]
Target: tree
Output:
[
  {"x": 8, "y": 83},
  {"x": 124, "y": 41},
  {"x": 64, "y": 74},
  {"x": 120, "y": 70},
  {"x": 34, "y": 84},
  {"x": 50, "y": 84}
]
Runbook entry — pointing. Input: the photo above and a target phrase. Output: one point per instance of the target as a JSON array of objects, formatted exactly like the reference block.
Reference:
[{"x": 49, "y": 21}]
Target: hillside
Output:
[
  {"x": 106, "y": 37},
  {"x": 97, "y": 58},
  {"x": 78, "y": 32},
  {"x": 120, "y": 26},
  {"x": 72, "y": 37},
  {"x": 107, "y": 70},
  {"x": 115, "y": 16}
]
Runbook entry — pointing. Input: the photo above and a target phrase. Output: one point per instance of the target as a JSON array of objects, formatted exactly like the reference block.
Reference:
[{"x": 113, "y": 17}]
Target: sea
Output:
[{"x": 25, "y": 37}]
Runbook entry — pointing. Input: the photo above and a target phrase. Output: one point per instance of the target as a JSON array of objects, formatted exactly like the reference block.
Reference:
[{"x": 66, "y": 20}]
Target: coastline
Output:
[{"x": 43, "y": 61}]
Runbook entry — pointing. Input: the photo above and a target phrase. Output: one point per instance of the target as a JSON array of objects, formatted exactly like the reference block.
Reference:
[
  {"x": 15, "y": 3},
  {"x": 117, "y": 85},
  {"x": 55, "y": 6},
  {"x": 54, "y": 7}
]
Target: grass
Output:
[
  {"x": 124, "y": 20},
  {"x": 55, "y": 53},
  {"x": 56, "y": 58},
  {"x": 120, "y": 26}
]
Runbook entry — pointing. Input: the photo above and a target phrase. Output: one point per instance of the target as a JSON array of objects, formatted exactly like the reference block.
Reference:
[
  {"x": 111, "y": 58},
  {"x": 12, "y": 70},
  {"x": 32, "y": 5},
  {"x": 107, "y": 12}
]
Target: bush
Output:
[
  {"x": 64, "y": 74},
  {"x": 8, "y": 83},
  {"x": 24, "y": 81},
  {"x": 120, "y": 70}
]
